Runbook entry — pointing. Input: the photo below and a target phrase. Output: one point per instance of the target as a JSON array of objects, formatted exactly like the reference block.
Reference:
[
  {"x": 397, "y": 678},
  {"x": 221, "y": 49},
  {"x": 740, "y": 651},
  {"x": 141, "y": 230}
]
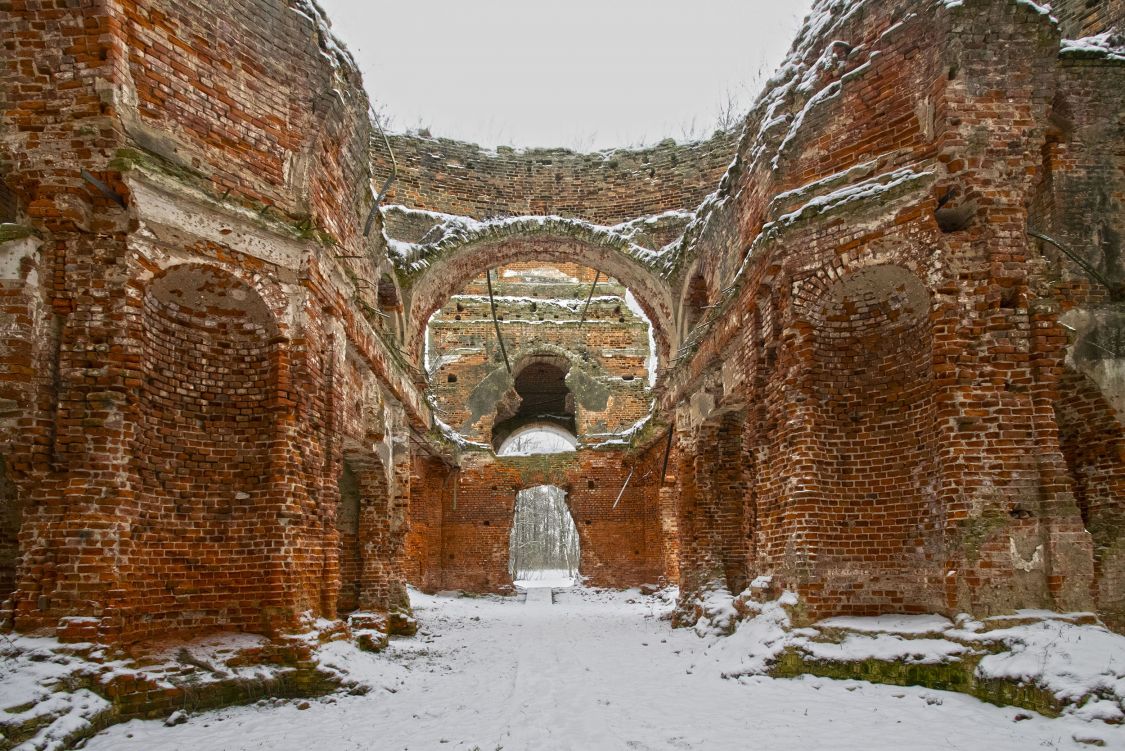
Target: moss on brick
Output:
[{"x": 959, "y": 676}]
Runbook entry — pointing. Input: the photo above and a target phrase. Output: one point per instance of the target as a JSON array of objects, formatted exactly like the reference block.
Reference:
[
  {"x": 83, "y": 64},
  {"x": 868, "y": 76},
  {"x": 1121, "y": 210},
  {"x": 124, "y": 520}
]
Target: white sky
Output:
[{"x": 584, "y": 74}]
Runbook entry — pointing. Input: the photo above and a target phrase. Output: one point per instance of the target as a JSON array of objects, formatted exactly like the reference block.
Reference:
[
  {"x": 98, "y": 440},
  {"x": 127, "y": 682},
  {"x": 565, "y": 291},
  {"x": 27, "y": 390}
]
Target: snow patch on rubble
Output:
[
  {"x": 1081, "y": 664},
  {"x": 890, "y": 624},
  {"x": 1073, "y": 661},
  {"x": 852, "y": 193},
  {"x": 887, "y": 647},
  {"x": 1109, "y": 45},
  {"x": 450, "y": 230}
]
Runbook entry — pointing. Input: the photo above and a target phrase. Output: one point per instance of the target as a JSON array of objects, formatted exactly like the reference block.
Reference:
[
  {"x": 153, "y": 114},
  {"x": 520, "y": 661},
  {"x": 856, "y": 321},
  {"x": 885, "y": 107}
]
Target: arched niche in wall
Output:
[
  {"x": 871, "y": 373},
  {"x": 1092, "y": 440},
  {"x": 367, "y": 526},
  {"x": 208, "y": 367},
  {"x": 693, "y": 304}
]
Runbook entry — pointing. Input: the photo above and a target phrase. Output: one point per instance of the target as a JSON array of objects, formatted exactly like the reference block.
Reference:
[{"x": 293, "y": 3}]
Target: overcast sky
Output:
[{"x": 585, "y": 74}]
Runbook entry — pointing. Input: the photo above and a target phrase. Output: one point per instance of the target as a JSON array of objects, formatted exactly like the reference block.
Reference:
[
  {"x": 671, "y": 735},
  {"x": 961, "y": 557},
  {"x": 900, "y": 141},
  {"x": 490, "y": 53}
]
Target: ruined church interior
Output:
[{"x": 828, "y": 406}]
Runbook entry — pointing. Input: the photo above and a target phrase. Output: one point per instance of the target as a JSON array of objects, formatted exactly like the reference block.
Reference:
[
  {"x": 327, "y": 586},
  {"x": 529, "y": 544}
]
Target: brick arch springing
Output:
[
  {"x": 873, "y": 535},
  {"x": 210, "y": 353},
  {"x": 456, "y": 265}
]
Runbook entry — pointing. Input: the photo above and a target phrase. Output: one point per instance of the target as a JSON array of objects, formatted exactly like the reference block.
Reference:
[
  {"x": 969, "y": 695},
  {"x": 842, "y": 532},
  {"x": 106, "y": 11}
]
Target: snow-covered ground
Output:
[{"x": 596, "y": 670}]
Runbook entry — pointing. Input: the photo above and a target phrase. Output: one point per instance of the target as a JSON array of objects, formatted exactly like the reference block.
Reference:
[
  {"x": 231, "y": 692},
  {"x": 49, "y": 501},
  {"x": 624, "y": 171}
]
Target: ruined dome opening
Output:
[
  {"x": 540, "y": 394},
  {"x": 555, "y": 343},
  {"x": 537, "y": 438}
]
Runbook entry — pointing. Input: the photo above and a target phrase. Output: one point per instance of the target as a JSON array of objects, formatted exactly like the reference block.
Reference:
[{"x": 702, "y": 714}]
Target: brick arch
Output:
[
  {"x": 451, "y": 265},
  {"x": 210, "y": 355},
  {"x": 875, "y": 541}
]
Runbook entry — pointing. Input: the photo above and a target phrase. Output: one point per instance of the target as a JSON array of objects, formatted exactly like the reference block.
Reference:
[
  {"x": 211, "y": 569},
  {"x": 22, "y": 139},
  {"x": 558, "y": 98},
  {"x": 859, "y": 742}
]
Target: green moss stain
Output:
[
  {"x": 590, "y": 393},
  {"x": 977, "y": 530},
  {"x": 10, "y": 232},
  {"x": 959, "y": 675},
  {"x": 484, "y": 398}
]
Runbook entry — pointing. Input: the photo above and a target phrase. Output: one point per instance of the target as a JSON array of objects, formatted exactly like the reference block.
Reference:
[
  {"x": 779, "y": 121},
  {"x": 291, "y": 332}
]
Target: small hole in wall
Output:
[
  {"x": 627, "y": 378},
  {"x": 1009, "y": 298},
  {"x": 456, "y": 318},
  {"x": 589, "y": 486},
  {"x": 460, "y": 307},
  {"x": 621, "y": 319},
  {"x": 1020, "y": 513},
  {"x": 617, "y": 310},
  {"x": 487, "y": 523},
  {"x": 451, "y": 378},
  {"x": 587, "y": 522},
  {"x": 952, "y": 75},
  {"x": 534, "y": 307}
]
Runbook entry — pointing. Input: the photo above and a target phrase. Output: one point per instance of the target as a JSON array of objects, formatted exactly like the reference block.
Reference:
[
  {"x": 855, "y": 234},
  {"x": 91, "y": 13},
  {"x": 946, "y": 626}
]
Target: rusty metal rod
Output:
[
  {"x": 589, "y": 297},
  {"x": 1081, "y": 262},
  {"x": 627, "y": 479},
  {"x": 495, "y": 323}
]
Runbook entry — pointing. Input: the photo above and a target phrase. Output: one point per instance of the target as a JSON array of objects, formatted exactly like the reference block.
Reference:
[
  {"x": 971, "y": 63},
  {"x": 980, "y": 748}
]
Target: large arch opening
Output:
[
  {"x": 540, "y": 394},
  {"x": 544, "y": 549},
  {"x": 457, "y": 267}
]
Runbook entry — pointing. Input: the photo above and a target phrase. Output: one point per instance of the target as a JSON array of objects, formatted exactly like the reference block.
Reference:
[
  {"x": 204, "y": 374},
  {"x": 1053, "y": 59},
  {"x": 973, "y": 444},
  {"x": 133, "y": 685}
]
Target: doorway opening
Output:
[{"x": 544, "y": 549}]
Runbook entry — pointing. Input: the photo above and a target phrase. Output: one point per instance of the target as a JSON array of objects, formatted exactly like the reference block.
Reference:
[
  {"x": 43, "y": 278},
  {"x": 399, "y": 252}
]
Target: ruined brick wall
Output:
[
  {"x": 173, "y": 302},
  {"x": 621, "y": 545},
  {"x": 605, "y": 188},
  {"x": 1082, "y": 18},
  {"x": 254, "y": 98},
  {"x": 869, "y": 480},
  {"x": 884, "y": 389}
]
